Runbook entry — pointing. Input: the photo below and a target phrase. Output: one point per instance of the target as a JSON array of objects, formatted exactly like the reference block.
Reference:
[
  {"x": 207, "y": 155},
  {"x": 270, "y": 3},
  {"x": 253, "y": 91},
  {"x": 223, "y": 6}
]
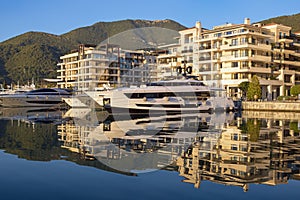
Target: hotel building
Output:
[{"x": 231, "y": 54}]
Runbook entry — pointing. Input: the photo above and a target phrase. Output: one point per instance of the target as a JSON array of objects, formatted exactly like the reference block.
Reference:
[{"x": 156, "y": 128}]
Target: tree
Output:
[
  {"x": 251, "y": 127},
  {"x": 244, "y": 87},
  {"x": 295, "y": 90},
  {"x": 254, "y": 90}
]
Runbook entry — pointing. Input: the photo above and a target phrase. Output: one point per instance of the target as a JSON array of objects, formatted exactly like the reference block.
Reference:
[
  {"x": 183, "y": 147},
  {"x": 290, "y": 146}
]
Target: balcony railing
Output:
[
  {"x": 204, "y": 58},
  {"x": 204, "y": 47},
  {"x": 187, "y": 51}
]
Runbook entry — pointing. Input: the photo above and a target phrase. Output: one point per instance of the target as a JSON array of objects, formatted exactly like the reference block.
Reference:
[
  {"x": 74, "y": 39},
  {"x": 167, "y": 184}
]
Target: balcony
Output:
[
  {"x": 234, "y": 82},
  {"x": 187, "y": 51},
  {"x": 204, "y": 49},
  {"x": 286, "y": 39},
  {"x": 233, "y": 58},
  {"x": 258, "y": 46},
  {"x": 262, "y": 70},
  {"x": 204, "y": 60},
  {"x": 233, "y": 70},
  {"x": 260, "y": 58},
  {"x": 296, "y": 53},
  {"x": 287, "y": 62}
]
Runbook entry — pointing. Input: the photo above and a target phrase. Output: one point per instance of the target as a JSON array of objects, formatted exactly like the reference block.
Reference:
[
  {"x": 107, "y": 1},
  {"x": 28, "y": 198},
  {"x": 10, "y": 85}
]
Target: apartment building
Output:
[
  {"x": 230, "y": 54},
  {"x": 93, "y": 67},
  {"x": 88, "y": 68},
  {"x": 169, "y": 62}
]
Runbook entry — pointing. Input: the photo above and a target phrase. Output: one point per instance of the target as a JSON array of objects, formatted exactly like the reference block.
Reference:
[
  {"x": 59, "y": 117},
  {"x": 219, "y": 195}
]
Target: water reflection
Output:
[
  {"x": 259, "y": 147},
  {"x": 250, "y": 150},
  {"x": 134, "y": 143}
]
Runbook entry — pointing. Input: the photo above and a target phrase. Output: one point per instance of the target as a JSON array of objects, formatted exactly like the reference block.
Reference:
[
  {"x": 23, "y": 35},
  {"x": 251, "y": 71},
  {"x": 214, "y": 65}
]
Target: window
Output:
[
  {"x": 234, "y": 158},
  {"x": 234, "y": 147},
  {"x": 234, "y": 42},
  {"x": 235, "y": 53},
  {"x": 244, "y": 148},
  {"x": 245, "y": 64},
  {"x": 234, "y": 64},
  {"x": 217, "y": 34},
  {"x": 234, "y": 136},
  {"x": 244, "y": 53},
  {"x": 244, "y": 40},
  {"x": 233, "y": 171},
  {"x": 228, "y": 33}
]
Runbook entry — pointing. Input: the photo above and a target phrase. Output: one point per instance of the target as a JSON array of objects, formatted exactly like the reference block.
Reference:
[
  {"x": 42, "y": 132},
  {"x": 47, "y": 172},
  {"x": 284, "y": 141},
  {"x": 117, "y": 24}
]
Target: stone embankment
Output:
[{"x": 271, "y": 106}]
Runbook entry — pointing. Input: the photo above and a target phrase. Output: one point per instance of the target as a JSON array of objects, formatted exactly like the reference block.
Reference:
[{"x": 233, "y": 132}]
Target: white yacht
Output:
[
  {"x": 44, "y": 97},
  {"x": 174, "y": 96}
]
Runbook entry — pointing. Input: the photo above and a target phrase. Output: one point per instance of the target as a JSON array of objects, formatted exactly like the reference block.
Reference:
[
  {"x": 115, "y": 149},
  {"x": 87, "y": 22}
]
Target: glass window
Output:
[
  {"x": 235, "y": 53},
  {"x": 244, "y": 40},
  {"x": 234, "y": 42},
  {"x": 235, "y": 136},
  {"x": 234, "y": 64},
  {"x": 234, "y": 147},
  {"x": 244, "y": 53}
]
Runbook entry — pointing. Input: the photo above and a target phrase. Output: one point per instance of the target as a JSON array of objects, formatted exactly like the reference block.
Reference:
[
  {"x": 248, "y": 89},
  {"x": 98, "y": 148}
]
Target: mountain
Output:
[
  {"x": 289, "y": 20},
  {"x": 35, "y": 54}
]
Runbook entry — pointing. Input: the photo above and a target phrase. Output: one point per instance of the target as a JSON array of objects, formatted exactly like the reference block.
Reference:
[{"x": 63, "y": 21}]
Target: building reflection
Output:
[
  {"x": 255, "y": 149},
  {"x": 139, "y": 143},
  {"x": 260, "y": 147}
]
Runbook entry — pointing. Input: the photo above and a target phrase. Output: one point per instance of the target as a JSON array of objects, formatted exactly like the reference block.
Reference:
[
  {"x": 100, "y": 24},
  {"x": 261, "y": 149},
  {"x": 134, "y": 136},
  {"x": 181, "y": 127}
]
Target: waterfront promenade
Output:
[{"x": 287, "y": 106}]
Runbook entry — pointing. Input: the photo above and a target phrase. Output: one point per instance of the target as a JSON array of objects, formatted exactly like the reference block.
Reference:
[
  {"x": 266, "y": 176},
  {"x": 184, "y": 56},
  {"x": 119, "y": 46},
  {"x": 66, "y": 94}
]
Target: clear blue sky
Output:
[{"x": 61, "y": 16}]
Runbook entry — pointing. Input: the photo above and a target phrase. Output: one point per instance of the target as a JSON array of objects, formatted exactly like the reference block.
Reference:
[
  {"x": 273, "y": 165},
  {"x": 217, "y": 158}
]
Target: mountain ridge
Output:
[{"x": 288, "y": 20}]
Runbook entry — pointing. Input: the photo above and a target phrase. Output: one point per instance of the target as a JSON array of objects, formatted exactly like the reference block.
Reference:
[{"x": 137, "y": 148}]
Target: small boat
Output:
[{"x": 44, "y": 97}]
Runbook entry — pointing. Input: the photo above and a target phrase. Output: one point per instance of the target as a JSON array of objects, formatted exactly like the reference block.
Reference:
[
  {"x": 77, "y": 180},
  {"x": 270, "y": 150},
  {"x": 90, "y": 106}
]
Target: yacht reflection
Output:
[
  {"x": 256, "y": 149},
  {"x": 32, "y": 114},
  {"x": 135, "y": 143}
]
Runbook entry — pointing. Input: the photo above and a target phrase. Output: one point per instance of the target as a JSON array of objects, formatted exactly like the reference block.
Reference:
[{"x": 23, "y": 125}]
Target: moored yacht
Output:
[
  {"x": 44, "y": 97},
  {"x": 174, "y": 96}
]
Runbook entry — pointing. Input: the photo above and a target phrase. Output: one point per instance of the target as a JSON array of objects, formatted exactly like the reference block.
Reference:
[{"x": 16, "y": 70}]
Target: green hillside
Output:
[
  {"x": 35, "y": 54},
  {"x": 289, "y": 20}
]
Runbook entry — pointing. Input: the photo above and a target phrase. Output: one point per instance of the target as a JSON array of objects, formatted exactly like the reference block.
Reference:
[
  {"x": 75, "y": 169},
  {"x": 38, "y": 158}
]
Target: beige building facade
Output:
[
  {"x": 230, "y": 54},
  {"x": 96, "y": 68}
]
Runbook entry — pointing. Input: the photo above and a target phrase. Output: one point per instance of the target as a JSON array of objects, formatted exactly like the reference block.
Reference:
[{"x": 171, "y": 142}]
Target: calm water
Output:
[{"x": 78, "y": 154}]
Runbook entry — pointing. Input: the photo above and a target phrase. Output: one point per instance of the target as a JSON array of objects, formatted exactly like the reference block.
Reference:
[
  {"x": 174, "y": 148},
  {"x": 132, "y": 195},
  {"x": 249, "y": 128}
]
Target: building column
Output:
[
  {"x": 293, "y": 79},
  {"x": 228, "y": 91},
  {"x": 282, "y": 91},
  {"x": 269, "y": 92}
]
